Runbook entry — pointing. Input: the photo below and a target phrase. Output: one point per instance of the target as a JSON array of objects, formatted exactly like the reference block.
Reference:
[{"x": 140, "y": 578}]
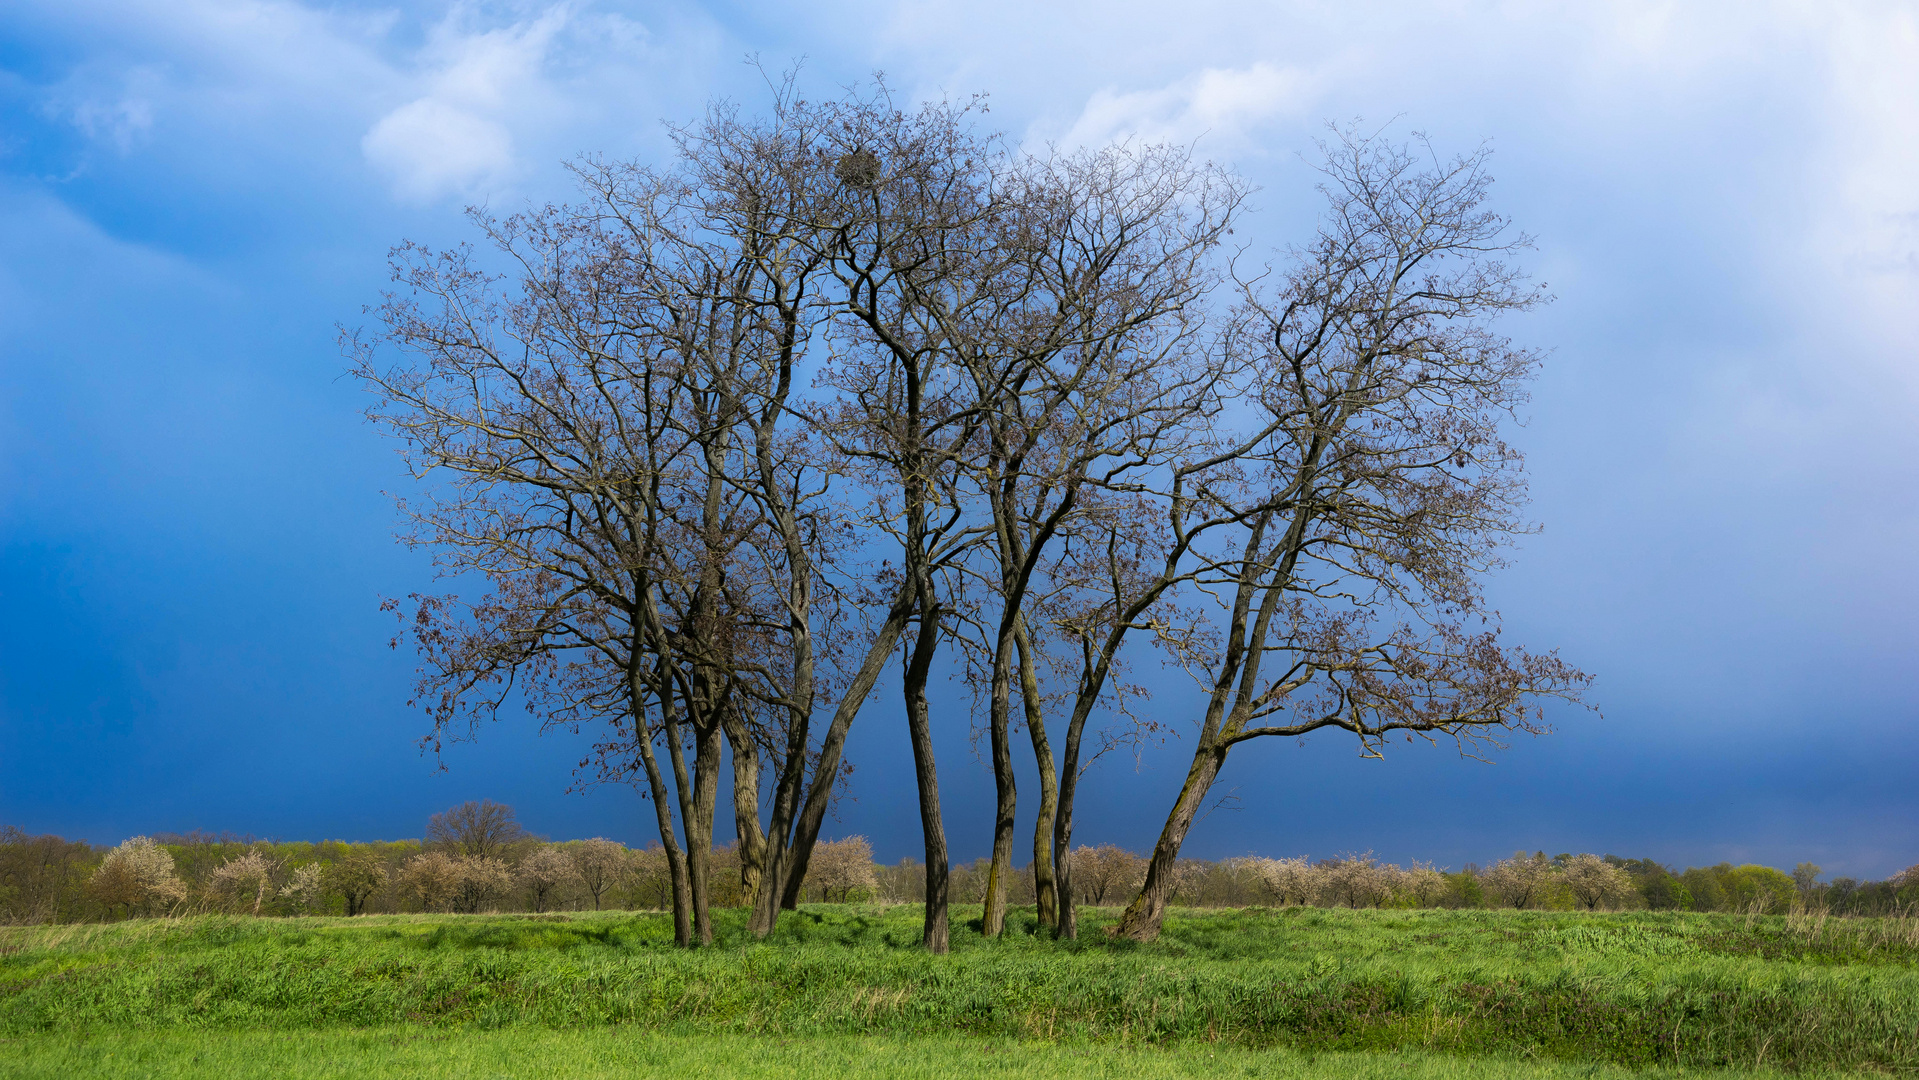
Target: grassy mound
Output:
[{"x": 1635, "y": 990}]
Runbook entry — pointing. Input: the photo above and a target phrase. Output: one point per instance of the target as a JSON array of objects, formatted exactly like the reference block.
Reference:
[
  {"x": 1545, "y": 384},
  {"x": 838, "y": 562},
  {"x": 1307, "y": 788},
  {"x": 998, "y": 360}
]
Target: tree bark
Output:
[
  {"x": 935, "y": 934},
  {"x": 1142, "y": 918},
  {"x": 699, "y": 836},
  {"x": 1045, "y": 883},
  {"x": 787, "y": 857},
  {"x": 1000, "y": 869},
  {"x": 746, "y": 805},
  {"x": 663, "y": 811}
]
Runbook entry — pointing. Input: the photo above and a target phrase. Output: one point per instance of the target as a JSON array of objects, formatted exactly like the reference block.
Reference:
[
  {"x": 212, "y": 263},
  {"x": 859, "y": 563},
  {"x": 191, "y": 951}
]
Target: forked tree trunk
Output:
[
  {"x": 663, "y": 811},
  {"x": 1045, "y": 883},
  {"x": 794, "y": 828},
  {"x": 1000, "y": 869}
]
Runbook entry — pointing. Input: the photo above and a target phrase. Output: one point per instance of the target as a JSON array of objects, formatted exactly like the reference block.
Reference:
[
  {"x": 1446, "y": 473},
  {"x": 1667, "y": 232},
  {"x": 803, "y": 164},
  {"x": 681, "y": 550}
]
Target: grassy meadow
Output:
[{"x": 844, "y": 991}]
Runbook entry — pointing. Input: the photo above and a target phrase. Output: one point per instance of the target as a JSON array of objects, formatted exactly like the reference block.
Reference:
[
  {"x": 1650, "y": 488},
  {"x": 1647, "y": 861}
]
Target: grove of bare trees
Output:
[{"x": 849, "y": 384}]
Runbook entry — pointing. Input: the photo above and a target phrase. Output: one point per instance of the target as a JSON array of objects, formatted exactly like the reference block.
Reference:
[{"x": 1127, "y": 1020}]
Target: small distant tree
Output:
[
  {"x": 433, "y": 879},
  {"x": 650, "y": 877},
  {"x": 1358, "y": 880},
  {"x": 902, "y": 883},
  {"x": 482, "y": 830},
  {"x": 1425, "y": 885},
  {"x": 40, "y": 876},
  {"x": 243, "y": 881},
  {"x": 1105, "y": 870},
  {"x": 1758, "y": 889},
  {"x": 357, "y": 877},
  {"x": 305, "y": 887},
  {"x": 1595, "y": 883},
  {"x": 546, "y": 875},
  {"x": 1520, "y": 881},
  {"x": 1705, "y": 888},
  {"x": 601, "y": 866},
  {"x": 483, "y": 882},
  {"x": 1805, "y": 877},
  {"x": 841, "y": 867},
  {"x": 137, "y": 877},
  {"x": 1290, "y": 881}
]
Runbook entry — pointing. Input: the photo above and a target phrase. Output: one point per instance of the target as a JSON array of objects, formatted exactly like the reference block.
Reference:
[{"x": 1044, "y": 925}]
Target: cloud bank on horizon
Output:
[{"x": 1726, "y": 196}]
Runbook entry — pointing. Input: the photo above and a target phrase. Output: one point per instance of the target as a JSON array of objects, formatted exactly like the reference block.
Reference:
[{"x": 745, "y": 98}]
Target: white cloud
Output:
[
  {"x": 454, "y": 140},
  {"x": 430, "y": 148},
  {"x": 1218, "y": 105}
]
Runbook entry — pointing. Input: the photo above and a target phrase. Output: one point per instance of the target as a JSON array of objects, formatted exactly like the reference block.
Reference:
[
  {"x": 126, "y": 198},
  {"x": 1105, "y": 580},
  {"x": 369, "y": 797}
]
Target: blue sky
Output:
[{"x": 194, "y": 539}]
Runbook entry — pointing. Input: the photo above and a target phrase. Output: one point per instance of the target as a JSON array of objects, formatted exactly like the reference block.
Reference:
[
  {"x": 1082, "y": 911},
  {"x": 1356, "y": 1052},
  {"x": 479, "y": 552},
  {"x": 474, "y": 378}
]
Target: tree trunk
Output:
[
  {"x": 1143, "y": 916},
  {"x": 689, "y": 814},
  {"x": 786, "y": 860},
  {"x": 656, "y": 785},
  {"x": 699, "y": 835},
  {"x": 1000, "y": 870},
  {"x": 1045, "y": 885},
  {"x": 746, "y": 806},
  {"x": 935, "y": 934}
]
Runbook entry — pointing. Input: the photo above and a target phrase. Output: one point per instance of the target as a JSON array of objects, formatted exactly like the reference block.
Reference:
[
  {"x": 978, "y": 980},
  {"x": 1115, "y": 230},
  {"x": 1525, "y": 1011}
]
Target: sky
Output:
[{"x": 195, "y": 532}]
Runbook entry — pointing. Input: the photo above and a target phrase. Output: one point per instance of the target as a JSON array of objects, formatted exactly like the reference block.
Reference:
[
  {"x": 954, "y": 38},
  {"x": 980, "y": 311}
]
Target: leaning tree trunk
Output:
[
  {"x": 1142, "y": 918},
  {"x": 936, "y": 933}
]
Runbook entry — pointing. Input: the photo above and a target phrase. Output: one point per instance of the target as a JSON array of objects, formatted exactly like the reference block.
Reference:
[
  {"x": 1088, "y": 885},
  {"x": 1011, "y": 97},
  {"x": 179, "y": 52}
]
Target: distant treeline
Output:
[{"x": 476, "y": 858}]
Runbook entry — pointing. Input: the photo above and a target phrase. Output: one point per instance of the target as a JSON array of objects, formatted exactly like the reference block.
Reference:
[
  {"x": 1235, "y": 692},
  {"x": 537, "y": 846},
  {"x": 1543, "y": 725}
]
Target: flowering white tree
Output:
[
  {"x": 1596, "y": 883},
  {"x": 305, "y": 887},
  {"x": 1359, "y": 880},
  {"x": 243, "y": 881},
  {"x": 547, "y": 874},
  {"x": 1426, "y": 885},
  {"x": 1291, "y": 881},
  {"x": 137, "y": 877},
  {"x": 1521, "y": 880},
  {"x": 839, "y": 867},
  {"x": 433, "y": 879},
  {"x": 1105, "y": 871}
]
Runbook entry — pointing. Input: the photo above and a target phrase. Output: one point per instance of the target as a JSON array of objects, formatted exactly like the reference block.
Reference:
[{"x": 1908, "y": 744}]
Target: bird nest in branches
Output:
[{"x": 859, "y": 168}]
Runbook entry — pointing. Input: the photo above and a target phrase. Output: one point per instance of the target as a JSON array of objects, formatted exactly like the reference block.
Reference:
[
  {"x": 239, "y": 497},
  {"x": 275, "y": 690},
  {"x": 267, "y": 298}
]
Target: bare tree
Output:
[
  {"x": 601, "y": 865},
  {"x": 1368, "y": 489},
  {"x": 615, "y": 425},
  {"x": 1085, "y": 371},
  {"x": 483, "y": 829}
]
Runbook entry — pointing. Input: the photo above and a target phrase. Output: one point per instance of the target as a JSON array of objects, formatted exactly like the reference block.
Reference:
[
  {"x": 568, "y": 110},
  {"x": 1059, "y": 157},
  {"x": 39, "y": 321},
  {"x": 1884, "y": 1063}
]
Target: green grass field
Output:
[{"x": 843, "y": 991}]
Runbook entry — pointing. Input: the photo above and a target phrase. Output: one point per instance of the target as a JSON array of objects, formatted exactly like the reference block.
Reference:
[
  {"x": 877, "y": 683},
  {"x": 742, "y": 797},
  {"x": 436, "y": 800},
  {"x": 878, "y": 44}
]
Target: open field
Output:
[{"x": 842, "y": 990}]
